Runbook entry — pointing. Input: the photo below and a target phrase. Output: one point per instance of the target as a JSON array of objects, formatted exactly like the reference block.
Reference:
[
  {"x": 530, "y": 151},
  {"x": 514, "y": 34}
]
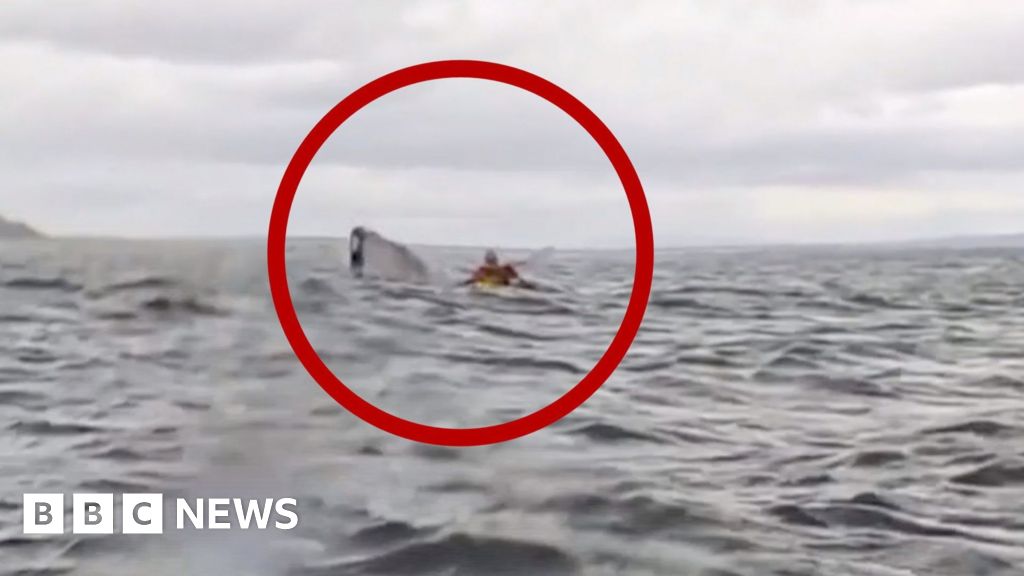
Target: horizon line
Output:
[{"x": 920, "y": 241}]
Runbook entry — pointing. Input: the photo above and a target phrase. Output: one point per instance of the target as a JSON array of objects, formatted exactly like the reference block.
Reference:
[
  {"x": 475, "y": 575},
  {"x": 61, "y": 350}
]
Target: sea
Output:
[{"x": 782, "y": 412}]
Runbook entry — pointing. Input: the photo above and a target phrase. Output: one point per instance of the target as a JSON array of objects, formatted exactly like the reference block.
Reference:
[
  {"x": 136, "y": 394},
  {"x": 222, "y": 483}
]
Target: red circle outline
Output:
[{"x": 617, "y": 349}]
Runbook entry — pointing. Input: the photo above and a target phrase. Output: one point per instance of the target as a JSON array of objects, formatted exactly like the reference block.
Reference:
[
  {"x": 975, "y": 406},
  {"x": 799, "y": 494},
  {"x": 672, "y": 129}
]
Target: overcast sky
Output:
[{"x": 748, "y": 121}]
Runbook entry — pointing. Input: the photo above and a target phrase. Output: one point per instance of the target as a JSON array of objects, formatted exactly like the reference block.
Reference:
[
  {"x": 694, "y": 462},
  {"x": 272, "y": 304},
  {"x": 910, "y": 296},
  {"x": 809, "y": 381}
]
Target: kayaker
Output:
[{"x": 494, "y": 273}]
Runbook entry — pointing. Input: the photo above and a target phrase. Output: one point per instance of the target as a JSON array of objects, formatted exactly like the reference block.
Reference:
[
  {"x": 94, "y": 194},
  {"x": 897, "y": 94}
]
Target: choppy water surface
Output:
[{"x": 788, "y": 412}]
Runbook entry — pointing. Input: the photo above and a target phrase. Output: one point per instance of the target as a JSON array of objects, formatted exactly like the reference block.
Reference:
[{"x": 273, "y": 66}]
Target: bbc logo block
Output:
[
  {"x": 44, "y": 514},
  {"x": 142, "y": 514},
  {"x": 91, "y": 513}
]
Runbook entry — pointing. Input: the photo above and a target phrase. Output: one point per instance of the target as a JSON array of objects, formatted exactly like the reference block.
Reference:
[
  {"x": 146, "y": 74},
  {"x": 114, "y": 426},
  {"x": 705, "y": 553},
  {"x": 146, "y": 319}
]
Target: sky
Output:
[{"x": 748, "y": 121}]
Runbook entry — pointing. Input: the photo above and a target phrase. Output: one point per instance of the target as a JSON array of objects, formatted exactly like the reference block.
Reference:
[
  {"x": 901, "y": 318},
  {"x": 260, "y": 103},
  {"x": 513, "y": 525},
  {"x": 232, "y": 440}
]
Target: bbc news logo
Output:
[{"x": 144, "y": 513}]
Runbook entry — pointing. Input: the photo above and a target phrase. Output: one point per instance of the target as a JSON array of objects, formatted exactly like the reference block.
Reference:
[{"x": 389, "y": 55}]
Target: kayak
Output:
[
  {"x": 500, "y": 288},
  {"x": 489, "y": 287},
  {"x": 489, "y": 284}
]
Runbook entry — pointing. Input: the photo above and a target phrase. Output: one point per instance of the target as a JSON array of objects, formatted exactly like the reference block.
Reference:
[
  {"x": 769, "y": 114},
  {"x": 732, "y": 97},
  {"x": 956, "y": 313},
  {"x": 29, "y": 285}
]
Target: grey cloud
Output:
[
  {"x": 179, "y": 31},
  {"x": 237, "y": 116}
]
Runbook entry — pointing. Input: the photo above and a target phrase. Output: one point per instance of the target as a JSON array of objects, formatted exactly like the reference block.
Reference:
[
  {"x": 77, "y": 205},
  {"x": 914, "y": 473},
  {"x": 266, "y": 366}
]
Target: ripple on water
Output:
[
  {"x": 1004, "y": 473},
  {"x": 462, "y": 554},
  {"x": 52, "y": 428}
]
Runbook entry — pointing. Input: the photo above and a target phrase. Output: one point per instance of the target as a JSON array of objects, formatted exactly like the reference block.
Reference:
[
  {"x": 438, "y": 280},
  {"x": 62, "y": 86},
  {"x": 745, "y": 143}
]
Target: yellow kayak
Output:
[
  {"x": 496, "y": 287},
  {"x": 489, "y": 287},
  {"x": 489, "y": 284}
]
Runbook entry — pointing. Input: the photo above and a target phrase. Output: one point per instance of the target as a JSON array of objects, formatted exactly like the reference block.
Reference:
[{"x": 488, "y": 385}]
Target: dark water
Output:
[{"x": 781, "y": 413}]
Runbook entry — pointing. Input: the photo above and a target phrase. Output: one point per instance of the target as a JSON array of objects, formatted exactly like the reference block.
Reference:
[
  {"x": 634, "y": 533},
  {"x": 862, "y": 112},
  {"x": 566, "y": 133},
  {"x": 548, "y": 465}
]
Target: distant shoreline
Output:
[{"x": 14, "y": 230}]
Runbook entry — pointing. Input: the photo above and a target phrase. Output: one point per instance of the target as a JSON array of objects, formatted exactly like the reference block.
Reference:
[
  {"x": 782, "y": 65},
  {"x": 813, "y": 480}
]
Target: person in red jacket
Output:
[{"x": 492, "y": 272}]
